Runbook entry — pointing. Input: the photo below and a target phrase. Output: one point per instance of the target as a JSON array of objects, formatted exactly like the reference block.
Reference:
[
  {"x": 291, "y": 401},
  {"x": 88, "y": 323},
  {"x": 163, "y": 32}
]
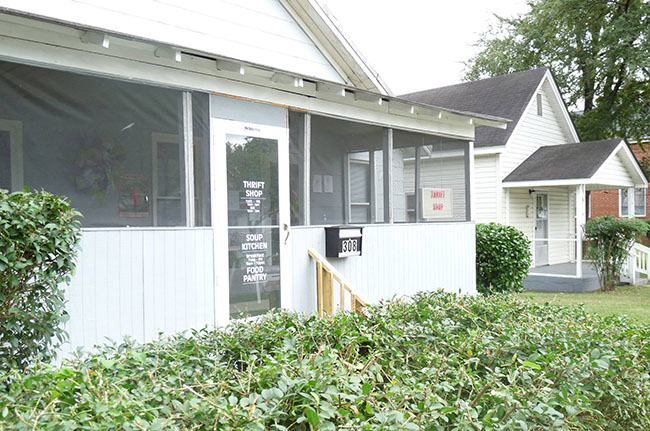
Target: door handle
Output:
[{"x": 286, "y": 229}]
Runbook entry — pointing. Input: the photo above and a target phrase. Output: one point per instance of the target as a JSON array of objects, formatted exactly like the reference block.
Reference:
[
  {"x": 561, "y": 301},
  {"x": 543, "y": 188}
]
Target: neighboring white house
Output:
[
  {"x": 208, "y": 144},
  {"x": 534, "y": 174}
]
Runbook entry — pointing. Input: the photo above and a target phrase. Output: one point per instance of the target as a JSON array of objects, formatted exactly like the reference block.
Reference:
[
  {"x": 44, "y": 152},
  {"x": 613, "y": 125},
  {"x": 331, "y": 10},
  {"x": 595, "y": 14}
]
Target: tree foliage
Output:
[
  {"x": 502, "y": 258},
  {"x": 598, "y": 51},
  {"x": 39, "y": 235},
  {"x": 611, "y": 240}
]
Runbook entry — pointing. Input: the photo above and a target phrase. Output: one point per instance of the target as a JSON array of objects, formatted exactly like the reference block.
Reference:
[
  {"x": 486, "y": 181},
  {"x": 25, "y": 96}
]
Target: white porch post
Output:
[
  {"x": 581, "y": 219},
  {"x": 631, "y": 259}
]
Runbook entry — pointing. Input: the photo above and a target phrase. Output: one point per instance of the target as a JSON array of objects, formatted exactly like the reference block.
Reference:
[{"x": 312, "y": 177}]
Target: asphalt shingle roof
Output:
[
  {"x": 505, "y": 96},
  {"x": 562, "y": 162}
]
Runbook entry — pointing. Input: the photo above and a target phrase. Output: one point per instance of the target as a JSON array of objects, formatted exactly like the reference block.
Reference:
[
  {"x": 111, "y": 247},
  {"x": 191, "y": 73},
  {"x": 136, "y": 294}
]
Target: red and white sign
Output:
[{"x": 436, "y": 203}]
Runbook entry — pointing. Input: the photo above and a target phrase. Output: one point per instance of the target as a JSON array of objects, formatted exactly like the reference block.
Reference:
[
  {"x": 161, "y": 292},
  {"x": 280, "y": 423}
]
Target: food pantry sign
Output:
[{"x": 436, "y": 203}]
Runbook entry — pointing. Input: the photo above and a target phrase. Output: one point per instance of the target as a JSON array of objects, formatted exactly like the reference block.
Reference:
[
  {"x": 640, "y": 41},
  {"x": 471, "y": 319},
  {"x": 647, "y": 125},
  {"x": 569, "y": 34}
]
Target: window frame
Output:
[
  {"x": 15, "y": 130},
  {"x": 620, "y": 203}
]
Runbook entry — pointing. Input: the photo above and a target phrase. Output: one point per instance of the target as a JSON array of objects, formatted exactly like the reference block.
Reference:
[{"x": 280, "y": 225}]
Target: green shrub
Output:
[
  {"x": 610, "y": 242},
  {"x": 39, "y": 234},
  {"x": 436, "y": 362},
  {"x": 502, "y": 258}
]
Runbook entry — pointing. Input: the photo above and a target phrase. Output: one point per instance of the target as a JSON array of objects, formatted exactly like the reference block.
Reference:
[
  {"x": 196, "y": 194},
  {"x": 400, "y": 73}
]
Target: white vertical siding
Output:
[
  {"x": 485, "y": 197},
  {"x": 138, "y": 283},
  {"x": 397, "y": 260},
  {"x": 257, "y": 31},
  {"x": 534, "y": 131}
]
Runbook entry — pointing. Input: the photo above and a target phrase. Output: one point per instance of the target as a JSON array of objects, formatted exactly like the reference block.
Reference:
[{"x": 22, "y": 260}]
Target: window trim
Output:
[
  {"x": 620, "y": 203},
  {"x": 540, "y": 111},
  {"x": 15, "y": 129}
]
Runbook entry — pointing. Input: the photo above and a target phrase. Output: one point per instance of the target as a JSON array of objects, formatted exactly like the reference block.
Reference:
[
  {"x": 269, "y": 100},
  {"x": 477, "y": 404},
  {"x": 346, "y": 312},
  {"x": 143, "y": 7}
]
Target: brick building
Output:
[{"x": 614, "y": 202}]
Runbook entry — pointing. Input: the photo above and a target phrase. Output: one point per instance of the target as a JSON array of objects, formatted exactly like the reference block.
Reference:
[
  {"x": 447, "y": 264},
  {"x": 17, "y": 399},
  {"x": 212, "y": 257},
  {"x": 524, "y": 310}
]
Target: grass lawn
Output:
[{"x": 631, "y": 300}]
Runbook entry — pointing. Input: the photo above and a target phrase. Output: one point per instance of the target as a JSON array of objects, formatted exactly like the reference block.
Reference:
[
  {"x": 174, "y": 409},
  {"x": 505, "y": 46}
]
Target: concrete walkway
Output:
[{"x": 557, "y": 278}]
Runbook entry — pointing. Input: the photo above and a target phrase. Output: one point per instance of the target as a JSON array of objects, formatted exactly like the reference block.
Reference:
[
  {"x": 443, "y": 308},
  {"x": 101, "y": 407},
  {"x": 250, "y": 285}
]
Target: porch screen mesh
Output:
[{"x": 113, "y": 148}]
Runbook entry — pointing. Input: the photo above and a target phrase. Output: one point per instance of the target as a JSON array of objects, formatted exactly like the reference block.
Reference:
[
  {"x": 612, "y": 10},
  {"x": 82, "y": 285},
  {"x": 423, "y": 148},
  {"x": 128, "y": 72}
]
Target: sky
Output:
[{"x": 418, "y": 44}]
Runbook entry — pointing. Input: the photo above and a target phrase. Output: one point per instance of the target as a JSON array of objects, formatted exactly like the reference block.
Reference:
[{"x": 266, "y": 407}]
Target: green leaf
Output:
[
  {"x": 312, "y": 416},
  {"x": 532, "y": 365}
]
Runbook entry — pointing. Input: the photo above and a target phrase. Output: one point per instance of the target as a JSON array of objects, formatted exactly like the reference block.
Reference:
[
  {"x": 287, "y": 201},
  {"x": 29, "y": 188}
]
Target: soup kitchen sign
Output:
[{"x": 436, "y": 203}]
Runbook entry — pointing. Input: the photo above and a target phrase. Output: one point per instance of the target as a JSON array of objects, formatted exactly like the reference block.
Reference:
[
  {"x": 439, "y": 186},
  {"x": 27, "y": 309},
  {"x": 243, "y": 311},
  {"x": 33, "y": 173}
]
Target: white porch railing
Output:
[{"x": 637, "y": 262}]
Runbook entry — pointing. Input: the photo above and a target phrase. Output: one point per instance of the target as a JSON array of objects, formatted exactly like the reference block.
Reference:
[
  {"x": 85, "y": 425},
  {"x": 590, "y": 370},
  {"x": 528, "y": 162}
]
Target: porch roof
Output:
[{"x": 602, "y": 164}]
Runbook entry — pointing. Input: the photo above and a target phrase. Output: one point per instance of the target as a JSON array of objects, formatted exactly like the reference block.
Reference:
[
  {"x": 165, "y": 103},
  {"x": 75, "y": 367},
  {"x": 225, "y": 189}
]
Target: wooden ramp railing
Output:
[{"x": 326, "y": 275}]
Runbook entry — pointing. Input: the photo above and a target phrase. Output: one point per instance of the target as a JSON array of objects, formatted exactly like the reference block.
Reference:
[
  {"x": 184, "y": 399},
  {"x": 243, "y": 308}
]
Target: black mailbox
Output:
[{"x": 343, "y": 241}]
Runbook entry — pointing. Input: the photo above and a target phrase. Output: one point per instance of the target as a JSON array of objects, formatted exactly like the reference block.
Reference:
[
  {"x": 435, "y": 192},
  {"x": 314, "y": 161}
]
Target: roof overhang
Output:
[
  {"x": 495, "y": 149},
  {"x": 597, "y": 180},
  {"x": 69, "y": 52}
]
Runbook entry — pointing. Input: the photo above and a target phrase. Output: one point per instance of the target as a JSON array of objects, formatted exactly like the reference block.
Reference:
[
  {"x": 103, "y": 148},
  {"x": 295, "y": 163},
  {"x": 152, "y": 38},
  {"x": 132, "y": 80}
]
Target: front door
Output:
[
  {"x": 541, "y": 229},
  {"x": 252, "y": 190}
]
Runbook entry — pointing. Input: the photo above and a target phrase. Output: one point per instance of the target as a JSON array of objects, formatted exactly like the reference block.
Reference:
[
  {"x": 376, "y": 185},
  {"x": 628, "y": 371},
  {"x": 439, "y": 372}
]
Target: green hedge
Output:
[
  {"x": 436, "y": 362},
  {"x": 39, "y": 236},
  {"x": 502, "y": 258}
]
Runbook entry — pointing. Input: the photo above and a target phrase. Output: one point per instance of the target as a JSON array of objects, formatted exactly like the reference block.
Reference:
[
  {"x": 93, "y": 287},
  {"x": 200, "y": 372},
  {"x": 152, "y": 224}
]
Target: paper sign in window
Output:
[{"x": 436, "y": 203}]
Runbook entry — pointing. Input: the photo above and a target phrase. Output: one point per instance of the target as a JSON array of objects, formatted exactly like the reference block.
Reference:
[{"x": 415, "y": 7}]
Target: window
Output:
[
  {"x": 539, "y": 104},
  {"x": 639, "y": 202},
  {"x": 115, "y": 149}
]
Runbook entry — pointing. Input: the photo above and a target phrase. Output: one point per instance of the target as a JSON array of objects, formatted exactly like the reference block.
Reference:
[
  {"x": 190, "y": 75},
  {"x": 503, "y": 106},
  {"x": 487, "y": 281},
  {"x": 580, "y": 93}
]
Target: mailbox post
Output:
[{"x": 343, "y": 241}]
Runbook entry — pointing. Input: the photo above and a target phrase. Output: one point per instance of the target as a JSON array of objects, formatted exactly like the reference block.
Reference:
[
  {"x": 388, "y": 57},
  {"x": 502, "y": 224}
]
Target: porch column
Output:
[
  {"x": 631, "y": 258},
  {"x": 581, "y": 219}
]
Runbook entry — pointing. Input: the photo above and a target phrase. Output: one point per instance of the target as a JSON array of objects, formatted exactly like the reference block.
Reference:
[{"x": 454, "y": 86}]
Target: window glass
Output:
[
  {"x": 113, "y": 148},
  {"x": 639, "y": 202},
  {"x": 253, "y": 234}
]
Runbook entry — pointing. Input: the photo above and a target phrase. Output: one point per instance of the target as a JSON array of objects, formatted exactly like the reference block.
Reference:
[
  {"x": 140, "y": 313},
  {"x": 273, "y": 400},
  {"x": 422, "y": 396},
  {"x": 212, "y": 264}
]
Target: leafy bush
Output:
[
  {"x": 436, "y": 362},
  {"x": 502, "y": 258},
  {"x": 610, "y": 242},
  {"x": 39, "y": 233}
]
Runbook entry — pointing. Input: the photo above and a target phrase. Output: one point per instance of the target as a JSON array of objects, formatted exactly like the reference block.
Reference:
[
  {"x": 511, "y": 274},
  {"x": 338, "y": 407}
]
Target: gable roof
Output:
[
  {"x": 312, "y": 44},
  {"x": 559, "y": 162},
  {"x": 505, "y": 96},
  {"x": 319, "y": 21},
  {"x": 573, "y": 162}
]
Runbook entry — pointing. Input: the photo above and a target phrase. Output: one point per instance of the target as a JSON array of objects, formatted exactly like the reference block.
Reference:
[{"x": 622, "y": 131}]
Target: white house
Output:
[
  {"x": 208, "y": 144},
  {"x": 534, "y": 174}
]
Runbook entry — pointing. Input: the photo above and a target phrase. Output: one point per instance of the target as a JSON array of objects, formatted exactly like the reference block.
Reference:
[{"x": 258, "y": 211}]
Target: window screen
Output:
[{"x": 113, "y": 148}]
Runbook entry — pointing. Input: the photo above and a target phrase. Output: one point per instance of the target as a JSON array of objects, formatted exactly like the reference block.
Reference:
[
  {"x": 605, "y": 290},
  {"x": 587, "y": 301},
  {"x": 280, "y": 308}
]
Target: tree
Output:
[
  {"x": 598, "y": 51},
  {"x": 610, "y": 242}
]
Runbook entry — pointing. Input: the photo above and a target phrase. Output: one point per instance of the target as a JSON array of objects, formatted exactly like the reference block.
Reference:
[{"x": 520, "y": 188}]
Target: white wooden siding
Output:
[
  {"x": 139, "y": 283},
  {"x": 257, "y": 31},
  {"x": 534, "y": 131},
  {"x": 397, "y": 260},
  {"x": 614, "y": 173},
  {"x": 485, "y": 189}
]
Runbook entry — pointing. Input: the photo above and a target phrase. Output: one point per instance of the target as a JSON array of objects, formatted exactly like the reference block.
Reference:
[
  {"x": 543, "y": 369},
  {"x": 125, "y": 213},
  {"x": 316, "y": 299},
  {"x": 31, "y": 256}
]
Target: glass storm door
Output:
[
  {"x": 252, "y": 182},
  {"x": 541, "y": 229}
]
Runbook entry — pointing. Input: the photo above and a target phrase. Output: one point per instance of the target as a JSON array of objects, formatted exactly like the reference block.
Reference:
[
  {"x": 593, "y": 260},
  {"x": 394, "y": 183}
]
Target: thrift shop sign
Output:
[{"x": 436, "y": 203}]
